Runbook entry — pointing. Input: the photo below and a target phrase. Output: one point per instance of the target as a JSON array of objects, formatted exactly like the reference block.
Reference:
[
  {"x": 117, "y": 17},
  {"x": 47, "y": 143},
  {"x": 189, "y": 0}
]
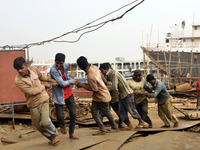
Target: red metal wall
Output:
[{"x": 8, "y": 91}]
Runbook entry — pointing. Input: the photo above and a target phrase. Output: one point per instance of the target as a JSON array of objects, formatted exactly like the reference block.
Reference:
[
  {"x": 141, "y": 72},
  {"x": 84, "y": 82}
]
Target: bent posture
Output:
[
  {"x": 137, "y": 84},
  {"x": 28, "y": 81},
  {"x": 100, "y": 97},
  {"x": 165, "y": 109},
  {"x": 126, "y": 103}
]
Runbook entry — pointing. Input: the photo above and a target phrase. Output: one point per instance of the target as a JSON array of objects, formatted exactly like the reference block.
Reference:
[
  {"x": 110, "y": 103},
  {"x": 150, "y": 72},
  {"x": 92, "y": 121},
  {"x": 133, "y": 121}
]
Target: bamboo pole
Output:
[
  {"x": 191, "y": 61},
  {"x": 144, "y": 60},
  {"x": 169, "y": 71},
  {"x": 158, "y": 71},
  {"x": 149, "y": 45}
]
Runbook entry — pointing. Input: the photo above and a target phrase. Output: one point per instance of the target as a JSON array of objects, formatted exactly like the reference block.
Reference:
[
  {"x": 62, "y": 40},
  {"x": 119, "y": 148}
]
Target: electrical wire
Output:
[{"x": 87, "y": 26}]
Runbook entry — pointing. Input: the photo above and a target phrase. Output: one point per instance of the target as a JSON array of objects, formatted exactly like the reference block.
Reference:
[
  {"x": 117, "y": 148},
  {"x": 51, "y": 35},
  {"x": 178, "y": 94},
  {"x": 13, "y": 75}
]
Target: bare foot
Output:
[
  {"x": 130, "y": 127},
  {"x": 176, "y": 125},
  {"x": 150, "y": 126},
  {"x": 165, "y": 126},
  {"x": 63, "y": 129},
  {"x": 74, "y": 137}
]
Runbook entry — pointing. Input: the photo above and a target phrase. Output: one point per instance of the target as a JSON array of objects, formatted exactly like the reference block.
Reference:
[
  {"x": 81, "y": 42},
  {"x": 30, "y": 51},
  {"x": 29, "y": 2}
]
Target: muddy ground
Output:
[{"x": 25, "y": 133}]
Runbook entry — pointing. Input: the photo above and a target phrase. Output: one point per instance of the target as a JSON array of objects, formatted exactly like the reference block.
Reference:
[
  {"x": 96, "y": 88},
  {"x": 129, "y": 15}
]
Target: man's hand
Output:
[
  {"x": 74, "y": 82},
  {"x": 142, "y": 93},
  {"x": 81, "y": 85},
  {"x": 47, "y": 85}
]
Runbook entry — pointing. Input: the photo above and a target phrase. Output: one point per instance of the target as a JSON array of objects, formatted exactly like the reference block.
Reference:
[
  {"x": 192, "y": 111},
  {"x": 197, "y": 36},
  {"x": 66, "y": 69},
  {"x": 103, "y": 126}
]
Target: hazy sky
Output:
[{"x": 27, "y": 21}]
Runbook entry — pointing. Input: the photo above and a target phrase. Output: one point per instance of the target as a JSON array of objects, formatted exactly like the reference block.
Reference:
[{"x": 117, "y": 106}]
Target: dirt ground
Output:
[{"x": 26, "y": 134}]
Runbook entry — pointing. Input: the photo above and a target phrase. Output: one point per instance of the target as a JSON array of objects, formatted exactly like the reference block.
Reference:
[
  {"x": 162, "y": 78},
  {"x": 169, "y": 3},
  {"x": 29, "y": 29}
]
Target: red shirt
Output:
[
  {"x": 198, "y": 87},
  {"x": 67, "y": 89}
]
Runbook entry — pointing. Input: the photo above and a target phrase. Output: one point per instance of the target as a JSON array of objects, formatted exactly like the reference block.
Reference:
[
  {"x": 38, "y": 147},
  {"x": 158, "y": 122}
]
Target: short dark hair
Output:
[
  {"x": 137, "y": 73},
  {"x": 109, "y": 65},
  {"x": 60, "y": 57},
  {"x": 82, "y": 62},
  {"x": 104, "y": 66},
  {"x": 150, "y": 77},
  {"x": 19, "y": 62}
]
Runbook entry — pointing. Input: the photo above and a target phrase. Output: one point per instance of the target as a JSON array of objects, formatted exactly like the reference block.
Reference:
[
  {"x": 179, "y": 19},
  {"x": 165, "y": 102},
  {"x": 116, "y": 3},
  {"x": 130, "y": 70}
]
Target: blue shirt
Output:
[
  {"x": 160, "y": 92},
  {"x": 57, "y": 91}
]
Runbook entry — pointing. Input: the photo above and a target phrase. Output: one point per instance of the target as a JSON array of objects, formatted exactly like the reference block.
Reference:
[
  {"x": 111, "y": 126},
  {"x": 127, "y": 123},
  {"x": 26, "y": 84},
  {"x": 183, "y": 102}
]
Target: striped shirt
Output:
[{"x": 120, "y": 83}]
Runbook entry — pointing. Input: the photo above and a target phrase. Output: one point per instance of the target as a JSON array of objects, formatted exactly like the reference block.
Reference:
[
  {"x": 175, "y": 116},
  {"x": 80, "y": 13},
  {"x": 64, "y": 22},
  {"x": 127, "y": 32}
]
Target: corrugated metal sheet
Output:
[{"x": 8, "y": 91}]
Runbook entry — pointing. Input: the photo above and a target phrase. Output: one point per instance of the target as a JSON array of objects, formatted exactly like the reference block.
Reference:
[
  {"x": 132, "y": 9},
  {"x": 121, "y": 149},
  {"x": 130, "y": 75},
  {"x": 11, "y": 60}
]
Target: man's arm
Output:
[
  {"x": 92, "y": 85},
  {"x": 27, "y": 89},
  {"x": 115, "y": 80},
  {"x": 56, "y": 75},
  {"x": 147, "y": 88},
  {"x": 158, "y": 89}
]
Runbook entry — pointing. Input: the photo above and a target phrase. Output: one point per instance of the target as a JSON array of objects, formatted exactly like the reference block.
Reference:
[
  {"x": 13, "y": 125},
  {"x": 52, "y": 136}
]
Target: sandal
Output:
[
  {"x": 141, "y": 127},
  {"x": 99, "y": 133},
  {"x": 55, "y": 141},
  {"x": 165, "y": 126}
]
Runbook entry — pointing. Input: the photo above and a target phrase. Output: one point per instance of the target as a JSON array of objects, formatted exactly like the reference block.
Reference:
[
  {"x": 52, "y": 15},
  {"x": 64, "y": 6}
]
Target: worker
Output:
[
  {"x": 101, "y": 96},
  {"x": 138, "y": 85},
  {"x": 62, "y": 94},
  {"x": 198, "y": 94},
  {"x": 114, "y": 103},
  {"x": 126, "y": 104},
  {"x": 165, "y": 109},
  {"x": 28, "y": 81}
]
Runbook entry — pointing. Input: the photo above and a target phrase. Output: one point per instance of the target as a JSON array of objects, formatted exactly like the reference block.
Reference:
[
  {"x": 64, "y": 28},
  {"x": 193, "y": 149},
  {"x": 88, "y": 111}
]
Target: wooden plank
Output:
[
  {"x": 17, "y": 116},
  {"x": 183, "y": 124},
  {"x": 169, "y": 140},
  {"x": 116, "y": 140}
]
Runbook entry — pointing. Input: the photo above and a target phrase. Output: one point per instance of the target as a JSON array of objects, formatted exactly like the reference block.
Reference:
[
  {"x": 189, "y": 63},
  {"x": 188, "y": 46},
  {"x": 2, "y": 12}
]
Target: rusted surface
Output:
[
  {"x": 8, "y": 91},
  {"x": 17, "y": 116},
  {"x": 82, "y": 92},
  {"x": 41, "y": 143},
  {"x": 169, "y": 140},
  {"x": 183, "y": 124},
  {"x": 194, "y": 115},
  {"x": 114, "y": 142}
]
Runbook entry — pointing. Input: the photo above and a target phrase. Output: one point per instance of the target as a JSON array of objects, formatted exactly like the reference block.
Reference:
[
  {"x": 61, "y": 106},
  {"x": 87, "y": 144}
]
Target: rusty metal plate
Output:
[
  {"x": 39, "y": 142},
  {"x": 169, "y": 140},
  {"x": 8, "y": 91},
  {"x": 188, "y": 108},
  {"x": 114, "y": 142},
  {"x": 183, "y": 124}
]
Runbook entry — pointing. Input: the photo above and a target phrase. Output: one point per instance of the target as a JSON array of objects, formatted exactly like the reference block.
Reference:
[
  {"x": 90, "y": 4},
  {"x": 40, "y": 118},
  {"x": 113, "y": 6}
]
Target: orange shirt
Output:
[{"x": 67, "y": 89}]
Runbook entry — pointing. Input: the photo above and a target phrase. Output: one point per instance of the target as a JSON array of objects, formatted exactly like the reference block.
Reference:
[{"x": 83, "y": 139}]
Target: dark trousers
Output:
[
  {"x": 105, "y": 109},
  {"x": 70, "y": 103},
  {"x": 127, "y": 105},
  {"x": 115, "y": 107},
  {"x": 142, "y": 109}
]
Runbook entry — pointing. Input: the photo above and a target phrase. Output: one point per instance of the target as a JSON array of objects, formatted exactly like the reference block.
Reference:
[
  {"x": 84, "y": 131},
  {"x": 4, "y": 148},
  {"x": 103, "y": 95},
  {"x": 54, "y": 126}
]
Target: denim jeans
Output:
[
  {"x": 70, "y": 103},
  {"x": 41, "y": 120},
  {"x": 127, "y": 105},
  {"x": 142, "y": 109},
  {"x": 105, "y": 109}
]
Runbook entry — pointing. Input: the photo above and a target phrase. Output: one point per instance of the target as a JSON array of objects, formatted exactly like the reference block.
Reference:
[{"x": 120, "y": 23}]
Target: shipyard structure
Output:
[{"x": 178, "y": 57}]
